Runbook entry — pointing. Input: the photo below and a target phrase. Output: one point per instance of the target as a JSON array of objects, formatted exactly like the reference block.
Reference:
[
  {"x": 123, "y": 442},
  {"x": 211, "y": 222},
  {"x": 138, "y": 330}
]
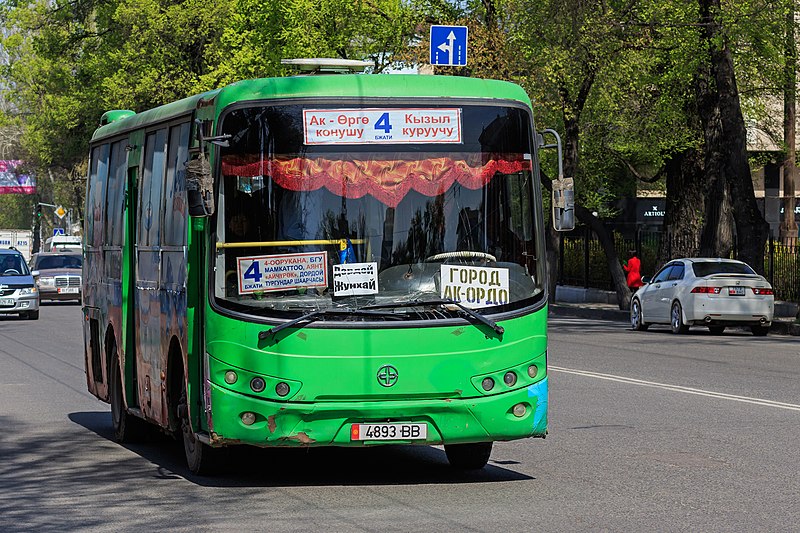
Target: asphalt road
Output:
[{"x": 648, "y": 431}]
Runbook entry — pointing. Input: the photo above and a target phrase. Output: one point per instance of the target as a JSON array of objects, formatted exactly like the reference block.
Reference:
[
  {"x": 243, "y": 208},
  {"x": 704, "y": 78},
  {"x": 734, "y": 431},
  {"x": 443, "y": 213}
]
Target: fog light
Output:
[
  {"x": 282, "y": 389},
  {"x": 248, "y": 418},
  {"x": 487, "y": 384},
  {"x": 230, "y": 377},
  {"x": 510, "y": 378},
  {"x": 25, "y": 304},
  {"x": 532, "y": 371},
  {"x": 519, "y": 410},
  {"x": 258, "y": 384}
]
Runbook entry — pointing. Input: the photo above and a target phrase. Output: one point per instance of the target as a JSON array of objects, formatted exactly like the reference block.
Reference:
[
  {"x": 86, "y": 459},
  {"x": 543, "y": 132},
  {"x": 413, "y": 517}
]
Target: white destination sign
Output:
[
  {"x": 281, "y": 272},
  {"x": 382, "y": 126},
  {"x": 355, "y": 279},
  {"x": 475, "y": 286}
]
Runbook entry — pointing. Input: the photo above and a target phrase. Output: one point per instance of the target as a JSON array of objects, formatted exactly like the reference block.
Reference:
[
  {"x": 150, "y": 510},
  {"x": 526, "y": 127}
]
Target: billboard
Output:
[{"x": 14, "y": 182}]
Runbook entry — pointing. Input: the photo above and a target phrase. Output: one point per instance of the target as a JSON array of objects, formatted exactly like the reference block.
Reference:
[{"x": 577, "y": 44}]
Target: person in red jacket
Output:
[{"x": 632, "y": 266}]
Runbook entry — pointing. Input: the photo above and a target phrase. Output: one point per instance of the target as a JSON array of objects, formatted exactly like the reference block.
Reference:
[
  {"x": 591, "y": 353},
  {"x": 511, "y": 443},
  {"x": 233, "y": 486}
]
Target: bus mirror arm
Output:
[{"x": 563, "y": 188}]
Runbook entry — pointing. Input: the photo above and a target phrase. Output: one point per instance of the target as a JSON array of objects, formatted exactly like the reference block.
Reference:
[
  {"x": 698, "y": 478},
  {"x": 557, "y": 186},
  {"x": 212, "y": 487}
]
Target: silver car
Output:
[
  {"x": 715, "y": 293},
  {"x": 18, "y": 294}
]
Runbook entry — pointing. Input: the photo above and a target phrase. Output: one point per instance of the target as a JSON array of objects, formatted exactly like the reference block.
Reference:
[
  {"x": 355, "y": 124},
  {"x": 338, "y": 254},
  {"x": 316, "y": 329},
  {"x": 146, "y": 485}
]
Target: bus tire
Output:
[
  {"x": 472, "y": 456},
  {"x": 201, "y": 458},
  {"x": 127, "y": 428}
]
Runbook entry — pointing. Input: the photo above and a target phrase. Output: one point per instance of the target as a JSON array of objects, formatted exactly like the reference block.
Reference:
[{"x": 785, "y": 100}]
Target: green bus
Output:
[{"x": 320, "y": 260}]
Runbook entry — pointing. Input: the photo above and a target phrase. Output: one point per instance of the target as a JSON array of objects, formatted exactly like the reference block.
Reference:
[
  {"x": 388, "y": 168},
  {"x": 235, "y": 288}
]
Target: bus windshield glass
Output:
[{"x": 325, "y": 207}]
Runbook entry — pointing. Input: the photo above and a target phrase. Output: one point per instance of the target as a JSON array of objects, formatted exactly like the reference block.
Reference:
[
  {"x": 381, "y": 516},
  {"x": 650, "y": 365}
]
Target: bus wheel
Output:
[
  {"x": 127, "y": 428},
  {"x": 472, "y": 456},
  {"x": 201, "y": 458}
]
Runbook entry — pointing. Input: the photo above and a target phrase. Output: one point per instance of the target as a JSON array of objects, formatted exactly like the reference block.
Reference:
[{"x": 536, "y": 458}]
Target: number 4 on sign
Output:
[
  {"x": 383, "y": 123},
  {"x": 253, "y": 273}
]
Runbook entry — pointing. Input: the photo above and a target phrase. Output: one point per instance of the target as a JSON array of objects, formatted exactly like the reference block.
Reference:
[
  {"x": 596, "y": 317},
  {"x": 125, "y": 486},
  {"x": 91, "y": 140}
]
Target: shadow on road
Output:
[{"x": 247, "y": 466}]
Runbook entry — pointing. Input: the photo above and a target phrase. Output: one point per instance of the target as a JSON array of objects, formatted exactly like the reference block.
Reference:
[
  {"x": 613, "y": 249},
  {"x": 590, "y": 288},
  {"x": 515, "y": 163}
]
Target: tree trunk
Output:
[
  {"x": 612, "y": 259},
  {"x": 726, "y": 165},
  {"x": 788, "y": 228},
  {"x": 686, "y": 193}
]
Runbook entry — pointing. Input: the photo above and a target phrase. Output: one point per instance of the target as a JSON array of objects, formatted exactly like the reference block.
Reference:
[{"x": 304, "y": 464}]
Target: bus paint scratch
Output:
[{"x": 271, "y": 423}]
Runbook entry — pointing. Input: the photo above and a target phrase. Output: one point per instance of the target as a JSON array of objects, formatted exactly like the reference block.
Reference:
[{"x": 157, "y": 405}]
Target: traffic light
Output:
[{"x": 38, "y": 211}]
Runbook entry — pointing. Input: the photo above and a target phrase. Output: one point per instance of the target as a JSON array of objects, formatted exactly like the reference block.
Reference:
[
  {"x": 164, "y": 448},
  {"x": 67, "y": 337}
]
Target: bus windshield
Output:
[{"x": 344, "y": 206}]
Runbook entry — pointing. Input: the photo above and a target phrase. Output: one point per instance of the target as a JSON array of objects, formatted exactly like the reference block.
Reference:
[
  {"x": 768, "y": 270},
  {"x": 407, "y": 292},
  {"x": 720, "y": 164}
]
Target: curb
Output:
[
  {"x": 617, "y": 315},
  {"x": 778, "y": 327}
]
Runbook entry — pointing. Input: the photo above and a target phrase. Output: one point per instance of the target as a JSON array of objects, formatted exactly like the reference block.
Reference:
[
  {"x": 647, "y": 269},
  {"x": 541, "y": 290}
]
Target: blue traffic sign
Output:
[
  {"x": 449, "y": 45},
  {"x": 58, "y": 231}
]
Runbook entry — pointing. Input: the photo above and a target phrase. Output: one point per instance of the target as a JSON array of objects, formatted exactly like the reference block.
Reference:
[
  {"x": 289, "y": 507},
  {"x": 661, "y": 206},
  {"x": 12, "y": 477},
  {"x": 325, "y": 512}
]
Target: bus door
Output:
[{"x": 151, "y": 371}]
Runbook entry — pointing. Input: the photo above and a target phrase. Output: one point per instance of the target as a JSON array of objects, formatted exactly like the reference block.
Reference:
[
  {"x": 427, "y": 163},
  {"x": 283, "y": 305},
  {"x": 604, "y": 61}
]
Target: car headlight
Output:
[
  {"x": 46, "y": 282},
  {"x": 27, "y": 290}
]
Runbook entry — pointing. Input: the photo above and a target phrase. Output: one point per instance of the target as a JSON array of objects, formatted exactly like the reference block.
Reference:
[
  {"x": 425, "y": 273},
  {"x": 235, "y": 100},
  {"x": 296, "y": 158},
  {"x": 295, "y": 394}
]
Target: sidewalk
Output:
[{"x": 601, "y": 305}]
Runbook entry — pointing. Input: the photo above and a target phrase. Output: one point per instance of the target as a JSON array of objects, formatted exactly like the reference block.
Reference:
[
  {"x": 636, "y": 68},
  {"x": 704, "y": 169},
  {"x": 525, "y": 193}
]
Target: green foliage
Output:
[{"x": 618, "y": 75}]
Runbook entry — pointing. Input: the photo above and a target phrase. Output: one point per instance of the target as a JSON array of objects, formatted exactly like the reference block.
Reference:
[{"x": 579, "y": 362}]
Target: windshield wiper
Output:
[
  {"x": 319, "y": 313},
  {"x": 442, "y": 301}
]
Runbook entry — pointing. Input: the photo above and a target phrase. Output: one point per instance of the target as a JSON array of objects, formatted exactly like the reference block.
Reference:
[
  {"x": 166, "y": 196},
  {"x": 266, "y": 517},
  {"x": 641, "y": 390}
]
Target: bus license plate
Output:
[
  {"x": 68, "y": 290},
  {"x": 7, "y": 302},
  {"x": 389, "y": 431},
  {"x": 736, "y": 291}
]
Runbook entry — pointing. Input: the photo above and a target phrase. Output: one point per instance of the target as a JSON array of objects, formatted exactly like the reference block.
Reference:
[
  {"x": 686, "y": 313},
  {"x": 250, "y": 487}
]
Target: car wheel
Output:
[
  {"x": 716, "y": 330},
  {"x": 676, "y": 319},
  {"x": 637, "y": 319},
  {"x": 468, "y": 456},
  {"x": 759, "y": 331}
]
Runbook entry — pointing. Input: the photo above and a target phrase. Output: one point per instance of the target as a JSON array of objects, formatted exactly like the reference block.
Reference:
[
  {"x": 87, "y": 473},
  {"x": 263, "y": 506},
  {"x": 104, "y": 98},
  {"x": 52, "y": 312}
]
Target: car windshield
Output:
[
  {"x": 13, "y": 265},
  {"x": 49, "y": 262},
  {"x": 702, "y": 269},
  {"x": 311, "y": 216}
]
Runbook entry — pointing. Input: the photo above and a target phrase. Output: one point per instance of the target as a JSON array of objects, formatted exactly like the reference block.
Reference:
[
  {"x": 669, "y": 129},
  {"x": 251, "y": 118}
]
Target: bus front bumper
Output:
[{"x": 450, "y": 421}]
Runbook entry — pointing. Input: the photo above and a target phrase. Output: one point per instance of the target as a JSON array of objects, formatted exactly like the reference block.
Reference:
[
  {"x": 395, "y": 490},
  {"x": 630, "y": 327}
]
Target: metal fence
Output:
[{"x": 583, "y": 261}]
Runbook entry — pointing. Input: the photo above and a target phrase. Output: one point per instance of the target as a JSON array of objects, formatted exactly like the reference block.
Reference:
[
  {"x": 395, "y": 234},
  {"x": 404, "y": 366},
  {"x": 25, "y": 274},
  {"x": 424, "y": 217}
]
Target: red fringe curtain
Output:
[{"x": 387, "y": 180}]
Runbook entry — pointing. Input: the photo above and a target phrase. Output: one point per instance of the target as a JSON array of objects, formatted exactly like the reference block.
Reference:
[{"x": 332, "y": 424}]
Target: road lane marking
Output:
[{"x": 678, "y": 388}]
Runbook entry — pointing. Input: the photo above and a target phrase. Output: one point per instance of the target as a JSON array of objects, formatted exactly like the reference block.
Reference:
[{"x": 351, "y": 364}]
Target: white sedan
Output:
[{"x": 704, "y": 292}]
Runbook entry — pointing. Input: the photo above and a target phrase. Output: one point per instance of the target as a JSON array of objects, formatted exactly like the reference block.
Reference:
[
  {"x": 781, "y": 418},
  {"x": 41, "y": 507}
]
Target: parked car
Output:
[
  {"x": 715, "y": 293},
  {"x": 57, "y": 275},
  {"x": 18, "y": 292}
]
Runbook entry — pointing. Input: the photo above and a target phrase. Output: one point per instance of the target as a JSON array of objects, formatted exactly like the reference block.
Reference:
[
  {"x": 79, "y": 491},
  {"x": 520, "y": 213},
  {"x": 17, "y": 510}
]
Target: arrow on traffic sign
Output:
[{"x": 448, "y": 47}]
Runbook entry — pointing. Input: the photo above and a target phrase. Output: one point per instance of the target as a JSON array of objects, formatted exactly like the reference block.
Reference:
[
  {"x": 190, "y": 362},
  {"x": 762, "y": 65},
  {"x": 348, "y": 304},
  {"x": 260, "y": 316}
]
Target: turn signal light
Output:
[
  {"x": 763, "y": 292},
  {"x": 706, "y": 290}
]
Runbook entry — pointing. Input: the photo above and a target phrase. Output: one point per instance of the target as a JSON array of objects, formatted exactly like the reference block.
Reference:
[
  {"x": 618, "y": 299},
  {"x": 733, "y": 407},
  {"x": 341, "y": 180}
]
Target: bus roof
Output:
[{"x": 330, "y": 86}]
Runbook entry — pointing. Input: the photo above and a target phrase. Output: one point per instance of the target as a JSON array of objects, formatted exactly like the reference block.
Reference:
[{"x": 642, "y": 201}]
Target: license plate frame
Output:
[
  {"x": 396, "y": 431},
  {"x": 735, "y": 291},
  {"x": 68, "y": 290},
  {"x": 7, "y": 302}
]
